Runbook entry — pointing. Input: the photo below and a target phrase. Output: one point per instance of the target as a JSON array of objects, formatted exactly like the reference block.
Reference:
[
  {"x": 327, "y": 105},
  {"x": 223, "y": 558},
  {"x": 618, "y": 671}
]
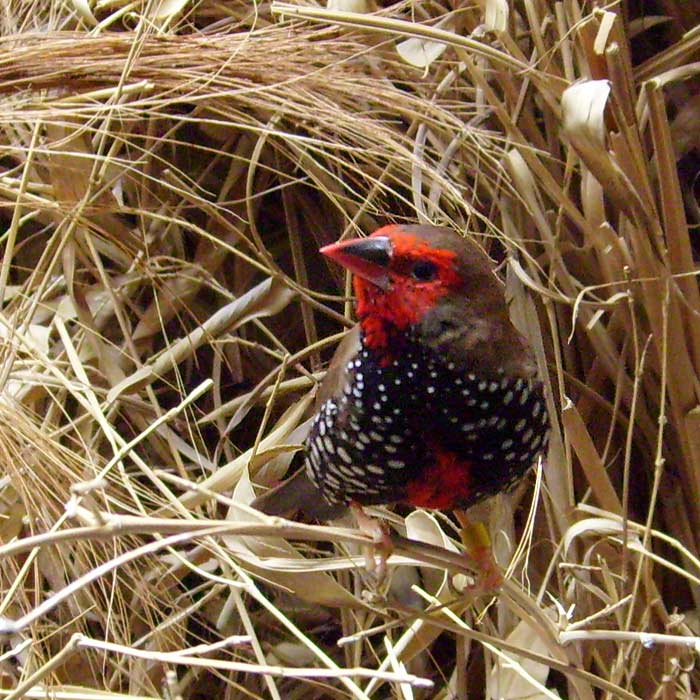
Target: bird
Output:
[{"x": 433, "y": 399}]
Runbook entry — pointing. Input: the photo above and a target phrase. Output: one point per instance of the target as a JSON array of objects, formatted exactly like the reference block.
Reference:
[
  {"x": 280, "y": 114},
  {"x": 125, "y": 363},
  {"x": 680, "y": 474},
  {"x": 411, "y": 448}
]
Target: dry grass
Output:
[{"x": 168, "y": 171}]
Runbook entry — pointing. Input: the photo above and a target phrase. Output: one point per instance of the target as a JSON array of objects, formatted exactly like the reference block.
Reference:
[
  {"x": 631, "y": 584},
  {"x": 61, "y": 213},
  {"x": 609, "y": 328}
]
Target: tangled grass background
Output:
[{"x": 168, "y": 171}]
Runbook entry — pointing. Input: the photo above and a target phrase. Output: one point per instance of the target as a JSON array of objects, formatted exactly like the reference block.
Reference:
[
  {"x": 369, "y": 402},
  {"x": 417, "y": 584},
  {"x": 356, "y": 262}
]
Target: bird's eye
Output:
[{"x": 424, "y": 271}]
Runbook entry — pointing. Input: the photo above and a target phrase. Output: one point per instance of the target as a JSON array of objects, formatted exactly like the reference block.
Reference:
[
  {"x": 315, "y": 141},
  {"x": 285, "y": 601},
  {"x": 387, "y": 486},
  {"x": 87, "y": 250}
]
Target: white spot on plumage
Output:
[
  {"x": 359, "y": 377},
  {"x": 396, "y": 463},
  {"x": 328, "y": 444},
  {"x": 527, "y": 435},
  {"x": 502, "y": 422},
  {"x": 507, "y": 398},
  {"x": 493, "y": 387},
  {"x": 536, "y": 442},
  {"x": 524, "y": 395},
  {"x": 374, "y": 469},
  {"x": 343, "y": 469},
  {"x": 390, "y": 449},
  {"x": 375, "y": 436},
  {"x": 376, "y": 406},
  {"x": 484, "y": 405},
  {"x": 507, "y": 444},
  {"x": 482, "y": 386},
  {"x": 520, "y": 425},
  {"x": 321, "y": 427},
  {"x": 468, "y": 427},
  {"x": 342, "y": 453},
  {"x": 487, "y": 456},
  {"x": 431, "y": 389},
  {"x": 510, "y": 457},
  {"x": 381, "y": 387},
  {"x": 363, "y": 437},
  {"x": 396, "y": 439}
]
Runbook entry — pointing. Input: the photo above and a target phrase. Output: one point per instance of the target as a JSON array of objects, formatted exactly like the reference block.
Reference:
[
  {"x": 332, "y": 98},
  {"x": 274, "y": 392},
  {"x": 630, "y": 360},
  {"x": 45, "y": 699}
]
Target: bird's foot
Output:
[
  {"x": 477, "y": 542},
  {"x": 377, "y": 553}
]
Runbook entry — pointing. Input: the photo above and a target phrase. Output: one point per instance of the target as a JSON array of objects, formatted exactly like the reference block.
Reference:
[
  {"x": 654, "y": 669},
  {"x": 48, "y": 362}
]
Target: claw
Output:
[
  {"x": 376, "y": 554},
  {"x": 477, "y": 542}
]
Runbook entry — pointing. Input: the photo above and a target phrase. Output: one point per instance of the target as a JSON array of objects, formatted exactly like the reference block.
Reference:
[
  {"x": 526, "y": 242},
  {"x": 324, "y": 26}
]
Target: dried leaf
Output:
[
  {"x": 84, "y": 11},
  {"x": 361, "y": 6},
  {"x": 516, "y": 678},
  {"x": 423, "y": 527},
  {"x": 496, "y": 14},
  {"x": 420, "y": 52},
  {"x": 167, "y": 9}
]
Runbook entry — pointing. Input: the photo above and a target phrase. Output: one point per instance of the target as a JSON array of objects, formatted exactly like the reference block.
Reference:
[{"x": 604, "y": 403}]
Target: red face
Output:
[{"x": 398, "y": 279}]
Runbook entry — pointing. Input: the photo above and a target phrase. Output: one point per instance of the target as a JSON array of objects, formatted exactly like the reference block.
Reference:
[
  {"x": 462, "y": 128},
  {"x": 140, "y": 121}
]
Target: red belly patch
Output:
[{"x": 442, "y": 485}]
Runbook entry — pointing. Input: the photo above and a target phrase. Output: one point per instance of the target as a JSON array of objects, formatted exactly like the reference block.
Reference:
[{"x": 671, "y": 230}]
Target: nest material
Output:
[{"x": 168, "y": 173}]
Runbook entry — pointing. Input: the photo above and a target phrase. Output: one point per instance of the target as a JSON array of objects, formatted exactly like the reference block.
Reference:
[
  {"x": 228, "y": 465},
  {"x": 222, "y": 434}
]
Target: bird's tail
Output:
[{"x": 297, "y": 493}]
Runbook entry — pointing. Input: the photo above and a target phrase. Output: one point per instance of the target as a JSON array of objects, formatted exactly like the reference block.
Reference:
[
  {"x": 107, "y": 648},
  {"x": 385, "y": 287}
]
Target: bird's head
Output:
[{"x": 424, "y": 280}]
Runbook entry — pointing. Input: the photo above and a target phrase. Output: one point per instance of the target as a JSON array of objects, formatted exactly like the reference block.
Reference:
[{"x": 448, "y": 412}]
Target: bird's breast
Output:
[{"x": 423, "y": 431}]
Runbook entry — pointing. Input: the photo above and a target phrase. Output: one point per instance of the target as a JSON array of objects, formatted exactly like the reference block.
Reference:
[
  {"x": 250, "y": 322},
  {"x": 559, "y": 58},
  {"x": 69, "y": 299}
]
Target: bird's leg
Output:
[
  {"x": 475, "y": 538},
  {"x": 376, "y": 554}
]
